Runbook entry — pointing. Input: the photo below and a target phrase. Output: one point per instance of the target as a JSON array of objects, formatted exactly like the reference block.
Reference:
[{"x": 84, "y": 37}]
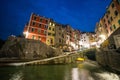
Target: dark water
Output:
[{"x": 84, "y": 71}]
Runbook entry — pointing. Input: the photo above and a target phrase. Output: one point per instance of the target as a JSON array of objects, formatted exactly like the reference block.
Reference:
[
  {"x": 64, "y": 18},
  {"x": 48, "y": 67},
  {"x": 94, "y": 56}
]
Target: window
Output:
[
  {"x": 46, "y": 21},
  {"x": 114, "y": 26},
  {"x": 39, "y": 30},
  {"x": 40, "y": 19},
  {"x": 118, "y": 1},
  {"x": 112, "y": 5},
  {"x": 40, "y": 25},
  {"x": 44, "y": 32},
  {"x": 104, "y": 20},
  {"x": 53, "y": 34},
  {"x": 33, "y": 23},
  {"x": 116, "y": 13},
  {"x": 39, "y": 38},
  {"x": 108, "y": 22},
  {"x": 53, "y": 24},
  {"x": 108, "y": 12},
  {"x": 106, "y": 16},
  {"x": 111, "y": 28},
  {"x": 60, "y": 40},
  {"x": 33, "y": 37},
  {"x": 111, "y": 18},
  {"x": 119, "y": 21},
  {"x": 49, "y": 28},
  {"x": 35, "y": 17},
  {"x": 53, "y": 29},
  {"x": 33, "y": 30},
  {"x": 49, "y": 33},
  {"x": 46, "y": 26}
]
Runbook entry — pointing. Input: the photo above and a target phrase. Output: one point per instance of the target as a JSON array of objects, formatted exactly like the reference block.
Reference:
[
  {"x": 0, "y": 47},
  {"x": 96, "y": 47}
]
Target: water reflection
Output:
[
  {"x": 17, "y": 76},
  {"x": 84, "y": 71}
]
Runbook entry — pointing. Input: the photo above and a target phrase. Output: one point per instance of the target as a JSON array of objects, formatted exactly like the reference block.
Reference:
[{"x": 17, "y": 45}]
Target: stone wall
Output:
[
  {"x": 109, "y": 58},
  {"x": 21, "y": 48},
  {"x": 109, "y": 55}
]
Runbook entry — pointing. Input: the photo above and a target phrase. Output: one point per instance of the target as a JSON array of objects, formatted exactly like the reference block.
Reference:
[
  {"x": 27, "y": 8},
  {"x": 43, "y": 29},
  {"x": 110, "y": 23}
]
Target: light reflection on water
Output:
[
  {"x": 17, "y": 76},
  {"x": 84, "y": 71}
]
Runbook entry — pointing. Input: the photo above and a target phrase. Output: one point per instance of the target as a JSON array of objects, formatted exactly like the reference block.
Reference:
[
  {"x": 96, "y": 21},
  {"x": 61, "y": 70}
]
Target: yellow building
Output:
[
  {"x": 113, "y": 15},
  {"x": 51, "y": 33}
]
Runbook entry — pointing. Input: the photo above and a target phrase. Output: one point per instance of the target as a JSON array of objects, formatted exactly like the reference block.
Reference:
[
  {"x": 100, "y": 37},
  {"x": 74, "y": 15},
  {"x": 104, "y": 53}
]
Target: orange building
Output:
[{"x": 36, "y": 28}]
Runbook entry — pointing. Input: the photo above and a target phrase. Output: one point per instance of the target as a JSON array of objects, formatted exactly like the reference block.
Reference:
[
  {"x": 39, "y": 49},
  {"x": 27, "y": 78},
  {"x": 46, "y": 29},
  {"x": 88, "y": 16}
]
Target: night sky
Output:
[{"x": 80, "y": 14}]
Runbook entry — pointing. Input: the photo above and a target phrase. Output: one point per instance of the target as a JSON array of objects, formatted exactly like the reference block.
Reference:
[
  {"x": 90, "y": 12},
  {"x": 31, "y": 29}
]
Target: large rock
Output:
[{"x": 21, "y": 48}]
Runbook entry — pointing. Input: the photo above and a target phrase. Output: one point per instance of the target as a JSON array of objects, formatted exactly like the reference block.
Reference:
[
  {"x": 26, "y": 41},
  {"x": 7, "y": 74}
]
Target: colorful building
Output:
[
  {"x": 109, "y": 23},
  {"x": 51, "y": 33},
  {"x": 36, "y": 28}
]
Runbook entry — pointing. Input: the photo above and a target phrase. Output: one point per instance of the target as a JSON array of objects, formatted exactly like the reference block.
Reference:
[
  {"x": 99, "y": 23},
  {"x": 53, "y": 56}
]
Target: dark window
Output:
[
  {"x": 104, "y": 20},
  {"x": 60, "y": 40},
  {"x": 108, "y": 12},
  {"x": 49, "y": 33},
  {"x": 39, "y": 38},
  {"x": 53, "y": 29},
  {"x": 108, "y": 22},
  {"x": 40, "y": 20},
  {"x": 111, "y": 18},
  {"x": 106, "y": 16},
  {"x": 35, "y": 17},
  {"x": 33, "y": 23},
  {"x": 118, "y": 1},
  {"x": 46, "y": 21},
  {"x": 111, "y": 28},
  {"x": 112, "y": 5},
  {"x": 105, "y": 25},
  {"x": 119, "y": 21},
  {"x": 116, "y": 13},
  {"x": 53, "y": 34},
  {"x": 114, "y": 26},
  {"x": 33, "y": 30},
  {"x": 40, "y": 25},
  {"x": 49, "y": 28}
]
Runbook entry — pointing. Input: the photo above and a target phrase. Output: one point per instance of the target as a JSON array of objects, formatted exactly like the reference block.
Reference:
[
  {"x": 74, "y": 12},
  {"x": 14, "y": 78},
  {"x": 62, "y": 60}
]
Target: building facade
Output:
[
  {"x": 36, "y": 28},
  {"x": 51, "y": 33},
  {"x": 109, "y": 23}
]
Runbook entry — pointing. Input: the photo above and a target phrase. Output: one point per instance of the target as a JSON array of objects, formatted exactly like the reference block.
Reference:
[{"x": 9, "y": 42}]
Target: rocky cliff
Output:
[{"x": 21, "y": 48}]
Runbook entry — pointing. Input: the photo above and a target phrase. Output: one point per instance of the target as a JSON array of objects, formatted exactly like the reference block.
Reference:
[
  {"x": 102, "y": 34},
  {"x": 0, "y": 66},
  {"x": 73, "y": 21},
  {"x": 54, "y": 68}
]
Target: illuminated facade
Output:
[
  {"x": 51, "y": 33},
  {"x": 109, "y": 23},
  {"x": 36, "y": 28}
]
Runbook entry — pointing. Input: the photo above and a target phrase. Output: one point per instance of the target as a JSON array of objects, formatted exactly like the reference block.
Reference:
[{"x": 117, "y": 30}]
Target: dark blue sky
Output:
[{"x": 80, "y": 14}]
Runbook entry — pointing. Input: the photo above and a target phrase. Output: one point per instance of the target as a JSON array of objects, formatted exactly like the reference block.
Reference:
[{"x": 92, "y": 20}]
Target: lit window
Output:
[
  {"x": 50, "y": 23},
  {"x": 53, "y": 24}
]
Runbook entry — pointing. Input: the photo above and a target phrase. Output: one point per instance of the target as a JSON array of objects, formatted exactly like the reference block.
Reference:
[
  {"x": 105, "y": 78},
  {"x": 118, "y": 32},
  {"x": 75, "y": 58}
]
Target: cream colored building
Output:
[{"x": 51, "y": 33}]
